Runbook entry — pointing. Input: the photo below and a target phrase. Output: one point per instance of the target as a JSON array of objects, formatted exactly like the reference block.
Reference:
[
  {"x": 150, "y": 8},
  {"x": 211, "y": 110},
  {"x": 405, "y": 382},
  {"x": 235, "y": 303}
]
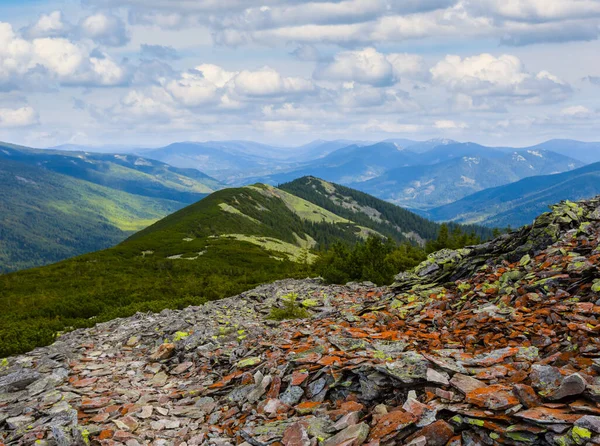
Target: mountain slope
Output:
[
  {"x": 588, "y": 152},
  {"x": 127, "y": 173},
  {"x": 46, "y": 217},
  {"x": 428, "y": 186},
  {"x": 386, "y": 218},
  {"x": 519, "y": 203},
  {"x": 228, "y": 242}
]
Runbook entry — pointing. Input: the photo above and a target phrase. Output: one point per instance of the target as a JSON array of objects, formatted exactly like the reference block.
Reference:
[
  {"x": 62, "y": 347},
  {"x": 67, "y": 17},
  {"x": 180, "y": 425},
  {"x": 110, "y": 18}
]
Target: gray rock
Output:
[
  {"x": 292, "y": 395},
  {"x": 353, "y": 435},
  {"x": 18, "y": 380},
  {"x": 589, "y": 422},
  {"x": 572, "y": 385}
]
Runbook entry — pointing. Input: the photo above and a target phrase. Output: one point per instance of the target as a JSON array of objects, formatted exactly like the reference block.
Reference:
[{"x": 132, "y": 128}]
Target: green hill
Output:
[
  {"x": 517, "y": 204},
  {"x": 57, "y": 205},
  {"x": 47, "y": 217},
  {"x": 220, "y": 246}
]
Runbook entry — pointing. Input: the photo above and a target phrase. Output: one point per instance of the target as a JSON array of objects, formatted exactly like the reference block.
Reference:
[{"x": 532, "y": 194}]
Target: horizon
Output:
[
  {"x": 317, "y": 140},
  {"x": 130, "y": 73}
]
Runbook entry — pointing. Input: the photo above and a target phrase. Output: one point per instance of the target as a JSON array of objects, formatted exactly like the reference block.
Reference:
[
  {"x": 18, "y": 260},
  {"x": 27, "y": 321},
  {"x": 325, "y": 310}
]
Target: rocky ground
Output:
[{"x": 496, "y": 344}]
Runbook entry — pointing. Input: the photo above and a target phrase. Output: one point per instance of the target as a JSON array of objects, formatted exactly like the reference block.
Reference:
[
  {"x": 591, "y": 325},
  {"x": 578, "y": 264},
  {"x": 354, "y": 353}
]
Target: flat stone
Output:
[
  {"x": 292, "y": 395},
  {"x": 433, "y": 376},
  {"x": 15, "y": 423},
  {"x": 572, "y": 385},
  {"x": 18, "y": 380},
  {"x": 347, "y": 420},
  {"x": 546, "y": 379},
  {"x": 409, "y": 368},
  {"x": 589, "y": 422},
  {"x": 296, "y": 435},
  {"x": 145, "y": 412},
  {"x": 494, "y": 397},
  {"x": 436, "y": 434},
  {"x": 526, "y": 395},
  {"x": 389, "y": 425},
  {"x": 546, "y": 415},
  {"x": 465, "y": 384},
  {"x": 351, "y": 436},
  {"x": 164, "y": 351}
]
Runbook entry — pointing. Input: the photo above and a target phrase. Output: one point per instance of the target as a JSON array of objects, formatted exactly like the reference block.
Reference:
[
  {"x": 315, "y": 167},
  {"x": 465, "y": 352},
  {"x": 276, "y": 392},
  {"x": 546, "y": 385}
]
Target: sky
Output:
[{"x": 150, "y": 72}]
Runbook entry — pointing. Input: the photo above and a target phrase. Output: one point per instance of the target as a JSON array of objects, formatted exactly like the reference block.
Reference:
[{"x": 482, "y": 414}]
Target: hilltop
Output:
[
  {"x": 492, "y": 344},
  {"x": 229, "y": 242}
]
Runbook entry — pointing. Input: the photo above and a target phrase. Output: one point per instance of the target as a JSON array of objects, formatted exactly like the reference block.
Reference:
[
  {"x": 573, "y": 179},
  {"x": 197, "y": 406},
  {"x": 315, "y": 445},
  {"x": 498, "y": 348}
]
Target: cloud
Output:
[
  {"x": 386, "y": 126},
  {"x": 105, "y": 29},
  {"x": 445, "y": 124},
  {"x": 42, "y": 62},
  {"x": 535, "y": 10},
  {"x": 577, "y": 111},
  {"x": 20, "y": 117},
  {"x": 159, "y": 52},
  {"x": 366, "y": 66},
  {"x": 48, "y": 25},
  {"x": 268, "y": 82},
  {"x": 593, "y": 79},
  {"x": 485, "y": 75}
]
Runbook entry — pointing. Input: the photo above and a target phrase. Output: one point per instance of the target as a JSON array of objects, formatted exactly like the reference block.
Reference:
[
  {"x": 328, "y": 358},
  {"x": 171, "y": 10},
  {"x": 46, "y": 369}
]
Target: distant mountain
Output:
[
  {"x": 226, "y": 161},
  {"x": 127, "y": 173},
  {"x": 425, "y": 146},
  {"x": 320, "y": 148},
  {"x": 349, "y": 164},
  {"x": 588, "y": 152},
  {"x": 471, "y": 168},
  {"x": 58, "y": 204},
  {"x": 227, "y": 243},
  {"x": 517, "y": 204},
  {"x": 440, "y": 153}
]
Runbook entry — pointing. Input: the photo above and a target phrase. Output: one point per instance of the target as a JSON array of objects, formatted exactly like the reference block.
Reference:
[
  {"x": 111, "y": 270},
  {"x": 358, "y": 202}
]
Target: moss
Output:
[
  {"x": 580, "y": 433},
  {"x": 248, "y": 362},
  {"x": 180, "y": 335},
  {"x": 308, "y": 303},
  {"x": 3, "y": 363},
  {"x": 475, "y": 422}
]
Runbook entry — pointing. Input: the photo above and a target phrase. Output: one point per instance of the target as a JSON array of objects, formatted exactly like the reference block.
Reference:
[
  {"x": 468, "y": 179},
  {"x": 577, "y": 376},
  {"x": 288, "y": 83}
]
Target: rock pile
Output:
[{"x": 496, "y": 344}]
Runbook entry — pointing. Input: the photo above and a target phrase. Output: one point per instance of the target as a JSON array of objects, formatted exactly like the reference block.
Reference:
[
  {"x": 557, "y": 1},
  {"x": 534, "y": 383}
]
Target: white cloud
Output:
[
  {"x": 366, "y": 66},
  {"x": 268, "y": 82},
  {"x": 386, "y": 126},
  {"x": 48, "y": 25},
  {"x": 577, "y": 111},
  {"x": 535, "y": 10},
  {"x": 53, "y": 60},
  {"x": 104, "y": 29},
  {"x": 503, "y": 76},
  {"x": 445, "y": 124},
  {"x": 20, "y": 117}
]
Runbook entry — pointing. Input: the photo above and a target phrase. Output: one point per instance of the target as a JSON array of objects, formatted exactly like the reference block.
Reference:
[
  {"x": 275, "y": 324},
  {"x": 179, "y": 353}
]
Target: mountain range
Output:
[{"x": 91, "y": 201}]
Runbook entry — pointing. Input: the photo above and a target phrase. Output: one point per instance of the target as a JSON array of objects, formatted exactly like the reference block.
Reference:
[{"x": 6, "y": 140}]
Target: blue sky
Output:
[{"x": 149, "y": 72}]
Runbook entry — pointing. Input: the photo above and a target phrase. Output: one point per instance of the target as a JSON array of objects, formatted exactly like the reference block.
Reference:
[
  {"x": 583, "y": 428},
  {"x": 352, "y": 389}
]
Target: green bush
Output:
[{"x": 291, "y": 309}]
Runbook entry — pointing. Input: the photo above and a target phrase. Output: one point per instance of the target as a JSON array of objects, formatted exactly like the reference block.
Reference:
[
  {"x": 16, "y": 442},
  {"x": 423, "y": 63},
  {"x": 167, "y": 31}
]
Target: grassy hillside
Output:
[
  {"x": 517, "y": 204},
  {"x": 227, "y": 243},
  {"x": 381, "y": 216},
  {"x": 46, "y": 217},
  {"x": 58, "y": 204}
]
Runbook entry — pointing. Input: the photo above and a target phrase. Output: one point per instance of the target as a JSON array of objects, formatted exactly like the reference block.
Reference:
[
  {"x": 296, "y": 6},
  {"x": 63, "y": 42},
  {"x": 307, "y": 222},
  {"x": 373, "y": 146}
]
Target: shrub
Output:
[{"x": 291, "y": 309}]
